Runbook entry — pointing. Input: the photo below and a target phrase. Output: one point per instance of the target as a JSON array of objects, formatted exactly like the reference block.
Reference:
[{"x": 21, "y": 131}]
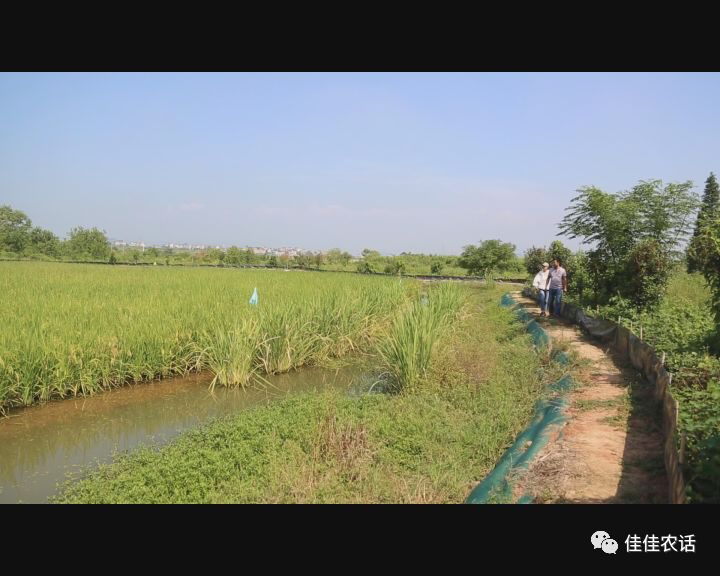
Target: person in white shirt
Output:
[{"x": 540, "y": 282}]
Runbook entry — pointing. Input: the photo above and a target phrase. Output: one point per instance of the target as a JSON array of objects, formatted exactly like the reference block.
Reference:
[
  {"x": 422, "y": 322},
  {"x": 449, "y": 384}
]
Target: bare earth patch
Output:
[{"x": 611, "y": 448}]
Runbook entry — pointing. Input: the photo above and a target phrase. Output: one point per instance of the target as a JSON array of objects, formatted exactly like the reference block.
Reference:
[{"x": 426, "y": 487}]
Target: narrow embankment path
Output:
[{"x": 611, "y": 448}]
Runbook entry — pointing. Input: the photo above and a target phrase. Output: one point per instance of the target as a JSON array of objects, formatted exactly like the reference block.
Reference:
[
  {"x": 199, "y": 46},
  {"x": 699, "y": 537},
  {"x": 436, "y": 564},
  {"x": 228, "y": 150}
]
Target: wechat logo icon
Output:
[{"x": 603, "y": 541}]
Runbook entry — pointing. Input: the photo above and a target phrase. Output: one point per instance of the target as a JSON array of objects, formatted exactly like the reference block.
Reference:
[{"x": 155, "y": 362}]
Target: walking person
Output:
[
  {"x": 540, "y": 282},
  {"x": 557, "y": 284}
]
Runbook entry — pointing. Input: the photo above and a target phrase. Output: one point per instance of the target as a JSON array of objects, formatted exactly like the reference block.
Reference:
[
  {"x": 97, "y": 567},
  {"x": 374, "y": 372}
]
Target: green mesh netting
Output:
[{"x": 548, "y": 415}]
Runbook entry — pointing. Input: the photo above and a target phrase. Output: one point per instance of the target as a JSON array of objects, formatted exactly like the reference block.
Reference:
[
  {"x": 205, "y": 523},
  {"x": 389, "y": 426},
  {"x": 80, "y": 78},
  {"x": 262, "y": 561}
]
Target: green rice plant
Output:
[
  {"x": 230, "y": 352},
  {"x": 489, "y": 279},
  {"x": 288, "y": 340},
  {"x": 407, "y": 349}
]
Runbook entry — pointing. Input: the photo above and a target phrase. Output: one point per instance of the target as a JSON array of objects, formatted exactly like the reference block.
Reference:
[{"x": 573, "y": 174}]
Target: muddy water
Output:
[{"x": 40, "y": 445}]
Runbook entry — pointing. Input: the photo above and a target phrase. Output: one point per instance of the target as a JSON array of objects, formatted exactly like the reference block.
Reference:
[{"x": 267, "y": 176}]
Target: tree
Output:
[
  {"x": 364, "y": 267},
  {"x": 647, "y": 273},
  {"x": 436, "y": 267},
  {"x": 579, "y": 278},
  {"x": 709, "y": 210},
  {"x": 88, "y": 244},
  {"x": 233, "y": 256},
  {"x": 214, "y": 255},
  {"x": 394, "y": 266},
  {"x": 662, "y": 214},
  {"x": 42, "y": 241},
  {"x": 534, "y": 258},
  {"x": 14, "y": 229},
  {"x": 490, "y": 256},
  {"x": 333, "y": 256},
  {"x": 602, "y": 220},
  {"x": 707, "y": 252},
  {"x": 247, "y": 256},
  {"x": 558, "y": 251},
  {"x": 646, "y": 223}
]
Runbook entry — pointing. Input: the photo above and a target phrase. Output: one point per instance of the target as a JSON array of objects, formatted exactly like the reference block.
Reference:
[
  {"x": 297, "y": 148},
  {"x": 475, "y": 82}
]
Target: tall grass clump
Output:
[
  {"x": 230, "y": 351},
  {"x": 407, "y": 348},
  {"x": 489, "y": 279}
]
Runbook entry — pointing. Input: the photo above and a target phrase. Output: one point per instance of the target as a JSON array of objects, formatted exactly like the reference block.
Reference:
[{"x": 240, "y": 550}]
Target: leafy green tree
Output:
[
  {"x": 558, "y": 251},
  {"x": 394, "y": 266},
  {"x": 647, "y": 273},
  {"x": 333, "y": 256},
  {"x": 709, "y": 210},
  {"x": 214, "y": 256},
  {"x": 488, "y": 257},
  {"x": 247, "y": 256},
  {"x": 88, "y": 244},
  {"x": 364, "y": 267},
  {"x": 42, "y": 241},
  {"x": 337, "y": 256},
  {"x": 436, "y": 267},
  {"x": 534, "y": 258},
  {"x": 579, "y": 278},
  {"x": 15, "y": 229},
  {"x": 646, "y": 223},
  {"x": 662, "y": 213},
  {"x": 345, "y": 258},
  {"x": 707, "y": 252},
  {"x": 233, "y": 256},
  {"x": 603, "y": 220}
]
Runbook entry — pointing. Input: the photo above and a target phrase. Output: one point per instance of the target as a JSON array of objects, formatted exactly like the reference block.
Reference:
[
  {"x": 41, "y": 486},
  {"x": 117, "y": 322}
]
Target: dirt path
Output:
[{"x": 611, "y": 449}]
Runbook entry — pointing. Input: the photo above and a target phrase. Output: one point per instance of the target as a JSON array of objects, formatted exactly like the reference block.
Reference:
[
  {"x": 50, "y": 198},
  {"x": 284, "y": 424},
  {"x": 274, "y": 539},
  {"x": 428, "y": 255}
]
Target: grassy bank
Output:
[{"x": 431, "y": 442}]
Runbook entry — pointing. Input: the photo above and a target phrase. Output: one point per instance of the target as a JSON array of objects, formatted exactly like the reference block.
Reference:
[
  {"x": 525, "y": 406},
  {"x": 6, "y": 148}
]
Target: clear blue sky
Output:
[{"x": 393, "y": 162}]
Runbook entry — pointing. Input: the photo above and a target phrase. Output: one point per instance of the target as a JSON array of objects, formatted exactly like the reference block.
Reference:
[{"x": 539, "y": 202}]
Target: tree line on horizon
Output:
[{"x": 635, "y": 239}]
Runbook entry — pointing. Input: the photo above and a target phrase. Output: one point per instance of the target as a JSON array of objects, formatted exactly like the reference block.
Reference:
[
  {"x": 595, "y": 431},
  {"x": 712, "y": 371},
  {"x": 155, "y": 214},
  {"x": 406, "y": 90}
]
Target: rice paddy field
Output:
[
  {"x": 68, "y": 330},
  {"x": 429, "y": 442},
  {"x": 460, "y": 378}
]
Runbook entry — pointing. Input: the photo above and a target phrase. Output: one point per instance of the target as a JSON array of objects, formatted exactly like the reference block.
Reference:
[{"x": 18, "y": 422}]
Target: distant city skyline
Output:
[
  {"x": 119, "y": 242},
  {"x": 423, "y": 163}
]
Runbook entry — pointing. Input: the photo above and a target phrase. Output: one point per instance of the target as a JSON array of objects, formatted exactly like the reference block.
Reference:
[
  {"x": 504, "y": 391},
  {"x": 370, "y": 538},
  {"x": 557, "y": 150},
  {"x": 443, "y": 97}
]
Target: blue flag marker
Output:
[{"x": 254, "y": 298}]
